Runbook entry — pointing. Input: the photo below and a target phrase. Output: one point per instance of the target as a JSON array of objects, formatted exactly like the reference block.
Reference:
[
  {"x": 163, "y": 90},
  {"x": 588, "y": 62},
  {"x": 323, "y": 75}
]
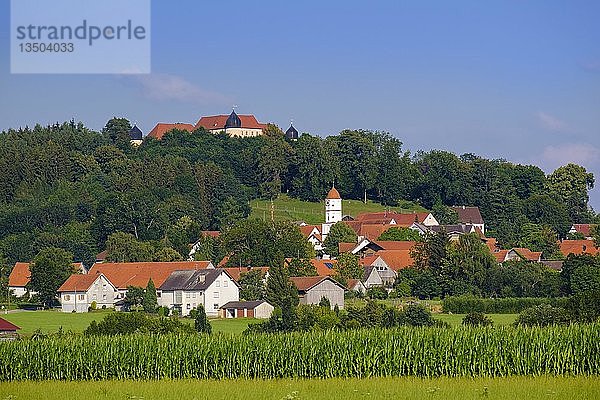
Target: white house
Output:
[
  {"x": 187, "y": 289},
  {"x": 79, "y": 292}
]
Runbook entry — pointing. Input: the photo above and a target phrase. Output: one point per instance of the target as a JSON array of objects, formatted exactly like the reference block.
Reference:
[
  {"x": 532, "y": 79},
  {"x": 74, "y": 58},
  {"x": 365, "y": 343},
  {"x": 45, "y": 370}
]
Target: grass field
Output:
[
  {"x": 456, "y": 319},
  {"x": 544, "y": 387},
  {"x": 287, "y": 208},
  {"x": 52, "y": 321}
]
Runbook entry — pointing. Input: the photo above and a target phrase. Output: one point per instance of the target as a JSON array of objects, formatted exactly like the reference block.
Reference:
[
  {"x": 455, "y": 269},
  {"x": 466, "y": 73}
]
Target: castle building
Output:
[{"x": 233, "y": 125}]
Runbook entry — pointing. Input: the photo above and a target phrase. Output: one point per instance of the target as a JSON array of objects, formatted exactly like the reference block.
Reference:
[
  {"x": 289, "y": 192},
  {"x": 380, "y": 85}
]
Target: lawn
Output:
[
  {"x": 456, "y": 319},
  {"x": 287, "y": 208},
  {"x": 544, "y": 387},
  {"x": 51, "y": 321}
]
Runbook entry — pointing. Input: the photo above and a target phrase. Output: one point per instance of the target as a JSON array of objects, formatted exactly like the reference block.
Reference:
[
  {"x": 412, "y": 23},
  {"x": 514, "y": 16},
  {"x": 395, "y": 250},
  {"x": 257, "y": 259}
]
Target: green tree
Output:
[
  {"x": 50, "y": 268},
  {"x": 280, "y": 291},
  {"x": 301, "y": 267},
  {"x": 347, "y": 267},
  {"x": 252, "y": 285},
  {"x": 116, "y": 131},
  {"x": 443, "y": 214},
  {"x": 167, "y": 254},
  {"x": 124, "y": 247},
  {"x": 134, "y": 297},
  {"x": 541, "y": 238},
  {"x": 570, "y": 184},
  {"x": 149, "y": 301},
  {"x": 201, "y": 323},
  {"x": 339, "y": 232},
  {"x": 400, "y": 234}
]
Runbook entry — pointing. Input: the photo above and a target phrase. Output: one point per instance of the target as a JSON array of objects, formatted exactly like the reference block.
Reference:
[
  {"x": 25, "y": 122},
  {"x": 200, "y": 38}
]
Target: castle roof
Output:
[{"x": 291, "y": 133}]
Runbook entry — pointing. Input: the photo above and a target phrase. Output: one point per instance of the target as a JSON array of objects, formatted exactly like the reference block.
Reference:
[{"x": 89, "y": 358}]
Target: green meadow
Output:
[
  {"x": 529, "y": 388},
  {"x": 286, "y": 208}
]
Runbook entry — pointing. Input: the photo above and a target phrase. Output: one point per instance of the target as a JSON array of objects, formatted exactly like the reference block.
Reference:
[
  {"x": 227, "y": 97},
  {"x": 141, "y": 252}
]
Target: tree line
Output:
[{"x": 69, "y": 187}]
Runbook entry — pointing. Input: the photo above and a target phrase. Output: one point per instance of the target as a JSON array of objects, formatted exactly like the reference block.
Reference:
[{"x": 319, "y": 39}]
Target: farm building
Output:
[
  {"x": 185, "y": 290},
  {"x": 311, "y": 289},
  {"x": 246, "y": 309},
  {"x": 8, "y": 330},
  {"x": 20, "y": 275}
]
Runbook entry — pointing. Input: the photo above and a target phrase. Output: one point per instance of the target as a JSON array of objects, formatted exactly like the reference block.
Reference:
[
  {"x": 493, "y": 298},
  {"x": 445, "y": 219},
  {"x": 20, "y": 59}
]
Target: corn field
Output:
[{"x": 423, "y": 352}]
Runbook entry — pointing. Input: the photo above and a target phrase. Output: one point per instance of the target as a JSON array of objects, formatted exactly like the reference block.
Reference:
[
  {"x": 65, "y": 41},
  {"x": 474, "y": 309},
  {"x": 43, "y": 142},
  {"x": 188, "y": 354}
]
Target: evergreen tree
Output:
[
  {"x": 280, "y": 290},
  {"x": 201, "y": 322},
  {"x": 150, "y": 302}
]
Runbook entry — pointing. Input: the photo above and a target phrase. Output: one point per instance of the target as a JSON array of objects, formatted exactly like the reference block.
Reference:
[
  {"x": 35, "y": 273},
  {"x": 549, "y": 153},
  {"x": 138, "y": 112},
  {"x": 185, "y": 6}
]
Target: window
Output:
[
  {"x": 215, "y": 306},
  {"x": 225, "y": 283},
  {"x": 67, "y": 297},
  {"x": 218, "y": 283},
  {"x": 187, "y": 295},
  {"x": 82, "y": 297},
  {"x": 94, "y": 296},
  {"x": 158, "y": 294},
  {"x": 216, "y": 295},
  {"x": 193, "y": 295},
  {"x": 104, "y": 297},
  {"x": 188, "y": 306}
]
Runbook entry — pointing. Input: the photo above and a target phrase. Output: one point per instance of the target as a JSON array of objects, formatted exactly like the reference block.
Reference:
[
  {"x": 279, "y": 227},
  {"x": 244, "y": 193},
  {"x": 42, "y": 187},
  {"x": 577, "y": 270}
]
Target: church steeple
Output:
[{"x": 291, "y": 133}]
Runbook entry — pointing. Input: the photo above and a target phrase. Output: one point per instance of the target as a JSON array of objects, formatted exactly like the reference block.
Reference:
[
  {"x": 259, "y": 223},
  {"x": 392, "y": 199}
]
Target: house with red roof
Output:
[
  {"x": 162, "y": 128},
  {"x": 470, "y": 216},
  {"x": 517, "y": 254},
  {"x": 79, "y": 291},
  {"x": 20, "y": 275},
  {"x": 583, "y": 229},
  {"x": 578, "y": 247}
]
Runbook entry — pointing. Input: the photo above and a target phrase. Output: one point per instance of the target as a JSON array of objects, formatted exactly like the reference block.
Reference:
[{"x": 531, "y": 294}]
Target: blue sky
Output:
[{"x": 503, "y": 79}]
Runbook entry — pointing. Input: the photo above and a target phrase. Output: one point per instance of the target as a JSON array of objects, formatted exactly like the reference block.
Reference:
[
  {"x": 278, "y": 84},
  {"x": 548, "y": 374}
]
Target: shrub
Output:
[
  {"x": 543, "y": 315},
  {"x": 93, "y": 306},
  {"x": 324, "y": 302},
  {"x": 377, "y": 293},
  {"x": 163, "y": 311},
  {"x": 417, "y": 315},
  {"x": 508, "y": 305},
  {"x": 477, "y": 319},
  {"x": 201, "y": 323},
  {"x": 585, "y": 306}
]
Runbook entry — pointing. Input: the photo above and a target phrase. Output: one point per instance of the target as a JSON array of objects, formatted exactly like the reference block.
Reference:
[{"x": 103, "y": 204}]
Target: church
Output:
[{"x": 316, "y": 234}]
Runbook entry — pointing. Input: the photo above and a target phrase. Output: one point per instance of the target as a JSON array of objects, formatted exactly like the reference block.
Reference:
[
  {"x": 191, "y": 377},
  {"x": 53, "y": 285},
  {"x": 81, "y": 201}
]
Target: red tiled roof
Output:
[
  {"x": 396, "y": 259},
  {"x": 307, "y": 229},
  {"x": 7, "y": 326},
  {"x": 491, "y": 243},
  {"x": 217, "y": 122},
  {"x": 500, "y": 255},
  {"x": 373, "y": 231},
  {"x": 468, "y": 215},
  {"x": 401, "y": 219},
  {"x": 20, "y": 274},
  {"x": 355, "y": 225},
  {"x": 352, "y": 283},
  {"x": 322, "y": 268},
  {"x": 344, "y": 247},
  {"x": 236, "y": 272},
  {"x": 78, "y": 282},
  {"x": 213, "y": 234},
  {"x": 578, "y": 247},
  {"x": 305, "y": 283},
  {"x": 138, "y": 274},
  {"x": 585, "y": 229},
  {"x": 333, "y": 194},
  {"x": 161, "y": 128},
  {"x": 528, "y": 254}
]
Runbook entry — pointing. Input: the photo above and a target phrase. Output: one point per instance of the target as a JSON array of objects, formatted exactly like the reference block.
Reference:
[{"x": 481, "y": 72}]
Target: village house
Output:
[
  {"x": 357, "y": 285},
  {"x": 311, "y": 289},
  {"x": 80, "y": 291},
  {"x": 470, "y": 216},
  {"x": 246, "y": 309},
  {"x": 20, "y": 275},
  {"x": 584, "y": 229},
  {"x": 517, "y": 254},
  {"x": 578, "y": 247},
  {"x": 185, "y": 290}
]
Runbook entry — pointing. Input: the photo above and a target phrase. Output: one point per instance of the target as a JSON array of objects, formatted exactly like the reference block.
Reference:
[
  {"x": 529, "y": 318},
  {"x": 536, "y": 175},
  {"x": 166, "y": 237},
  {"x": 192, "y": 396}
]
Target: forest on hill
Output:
[{"x": 67, "y": 186}]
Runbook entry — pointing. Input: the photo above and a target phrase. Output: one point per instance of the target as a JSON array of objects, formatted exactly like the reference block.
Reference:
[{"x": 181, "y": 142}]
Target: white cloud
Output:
[
  {"x": 166, "y": 87},
  {"x": 578, "y": 153},
  {"x": 551, "y": 122}
]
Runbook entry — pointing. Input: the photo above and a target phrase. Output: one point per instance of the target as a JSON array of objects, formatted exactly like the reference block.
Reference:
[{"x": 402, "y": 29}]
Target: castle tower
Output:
[{"x": 333, "y": 210}]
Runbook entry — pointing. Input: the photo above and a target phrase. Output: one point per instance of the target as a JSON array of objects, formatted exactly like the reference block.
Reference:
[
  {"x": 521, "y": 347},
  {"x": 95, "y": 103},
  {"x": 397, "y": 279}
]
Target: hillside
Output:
[{"x": 313, "y": 213}]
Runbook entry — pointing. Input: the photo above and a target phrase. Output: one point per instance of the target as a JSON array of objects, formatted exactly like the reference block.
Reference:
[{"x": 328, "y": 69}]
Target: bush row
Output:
[{"x": 468, "y": 304}]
